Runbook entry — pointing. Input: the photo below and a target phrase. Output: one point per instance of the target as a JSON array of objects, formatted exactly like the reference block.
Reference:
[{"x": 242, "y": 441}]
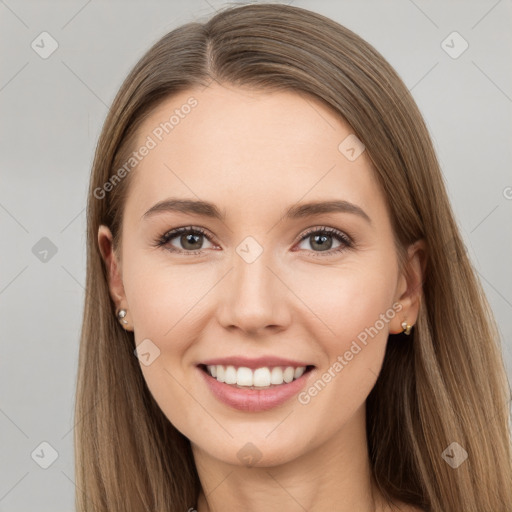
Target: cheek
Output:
[
  {"x": 165, "y": 298},
  {"x": 343, "y": 316},
  {"x": 167, "y": 303},
  {"x": 348, "y": 300},
  {"x": 353, "y": 310}
]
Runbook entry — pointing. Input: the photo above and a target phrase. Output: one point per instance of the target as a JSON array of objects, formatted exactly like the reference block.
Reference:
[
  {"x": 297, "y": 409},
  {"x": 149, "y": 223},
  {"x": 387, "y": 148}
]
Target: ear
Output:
[
  {"x": 113, "y": 268},
  {"x": 410, "y": 286}
]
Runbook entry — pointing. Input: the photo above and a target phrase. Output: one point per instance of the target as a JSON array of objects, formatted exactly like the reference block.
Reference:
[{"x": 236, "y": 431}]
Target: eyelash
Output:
[{"x": 346, "y": 242}]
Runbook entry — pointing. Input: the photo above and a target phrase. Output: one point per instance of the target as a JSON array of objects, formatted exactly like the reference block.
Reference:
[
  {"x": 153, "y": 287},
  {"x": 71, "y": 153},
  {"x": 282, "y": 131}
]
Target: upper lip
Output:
[{"x": 253, "y": 363}]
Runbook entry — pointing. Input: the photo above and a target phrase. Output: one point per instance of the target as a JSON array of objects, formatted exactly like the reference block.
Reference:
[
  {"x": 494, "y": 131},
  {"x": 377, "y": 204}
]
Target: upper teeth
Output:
[{"x": 260, "y": 377}]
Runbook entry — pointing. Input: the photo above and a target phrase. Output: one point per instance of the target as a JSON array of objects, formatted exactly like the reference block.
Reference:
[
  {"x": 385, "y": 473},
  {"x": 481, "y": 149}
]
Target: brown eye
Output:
[
  {"x": 322, "y": 240},
  {"x": 191, "y": 241},
  {"x": 185, "y": 240}
]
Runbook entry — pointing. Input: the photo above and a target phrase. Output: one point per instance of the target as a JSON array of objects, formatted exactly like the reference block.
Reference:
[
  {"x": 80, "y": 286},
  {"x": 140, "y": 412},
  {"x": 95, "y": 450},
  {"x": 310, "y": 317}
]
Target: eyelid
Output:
[
  {"x": 347, "y": 242},
  {"x": 163, "y": 240},
  {"x": 171, "y": 233},
  {"x": 344, "y": 238},
  {"x": 334, "y": 231}
]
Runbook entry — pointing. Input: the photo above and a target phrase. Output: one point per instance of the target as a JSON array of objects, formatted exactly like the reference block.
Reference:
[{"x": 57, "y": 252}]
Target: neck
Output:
[{"x": 335, "y": 475}]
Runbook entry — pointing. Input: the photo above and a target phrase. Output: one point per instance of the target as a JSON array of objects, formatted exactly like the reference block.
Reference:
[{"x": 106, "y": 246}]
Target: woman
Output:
[{"x": 280, "y": 313}]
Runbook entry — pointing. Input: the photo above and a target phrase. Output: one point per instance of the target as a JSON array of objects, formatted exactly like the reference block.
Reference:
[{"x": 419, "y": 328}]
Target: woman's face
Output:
[{"x": 268, "y": 284}]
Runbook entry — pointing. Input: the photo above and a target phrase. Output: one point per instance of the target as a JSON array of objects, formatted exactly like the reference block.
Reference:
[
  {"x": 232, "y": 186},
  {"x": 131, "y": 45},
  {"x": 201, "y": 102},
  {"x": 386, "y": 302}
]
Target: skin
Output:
[{"x": 254, "y": 154}]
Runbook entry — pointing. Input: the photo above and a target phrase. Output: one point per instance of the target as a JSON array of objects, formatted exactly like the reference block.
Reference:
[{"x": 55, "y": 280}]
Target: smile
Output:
[
  {"x": 257, "y": 378},
  {"x": 255, "y": 389}
]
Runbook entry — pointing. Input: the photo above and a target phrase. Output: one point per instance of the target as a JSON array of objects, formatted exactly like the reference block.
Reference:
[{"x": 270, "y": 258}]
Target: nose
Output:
[{"x": 253, "y": 298}]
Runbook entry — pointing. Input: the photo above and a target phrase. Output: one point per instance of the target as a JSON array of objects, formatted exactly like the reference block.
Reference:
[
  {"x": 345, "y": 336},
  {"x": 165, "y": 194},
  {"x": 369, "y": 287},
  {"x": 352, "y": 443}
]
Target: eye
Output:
[
  {"x": 190, "y": 238},
  {"x": 321, "y": 240}
]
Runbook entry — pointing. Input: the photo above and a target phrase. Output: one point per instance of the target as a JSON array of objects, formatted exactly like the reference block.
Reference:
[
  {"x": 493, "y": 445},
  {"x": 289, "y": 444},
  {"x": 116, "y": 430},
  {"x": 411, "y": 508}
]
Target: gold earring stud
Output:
[{"x": 406, "y": 328}]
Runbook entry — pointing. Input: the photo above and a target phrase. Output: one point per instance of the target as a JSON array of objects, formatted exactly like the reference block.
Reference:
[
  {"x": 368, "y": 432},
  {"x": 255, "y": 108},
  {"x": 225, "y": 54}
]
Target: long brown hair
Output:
[{"x": 444, "y": 383}]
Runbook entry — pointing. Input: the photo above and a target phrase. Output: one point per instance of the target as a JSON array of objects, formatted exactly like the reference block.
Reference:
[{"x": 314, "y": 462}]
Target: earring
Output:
[
  {"x": 120, "y": 316},
  {"x": 406, "y": 328}
]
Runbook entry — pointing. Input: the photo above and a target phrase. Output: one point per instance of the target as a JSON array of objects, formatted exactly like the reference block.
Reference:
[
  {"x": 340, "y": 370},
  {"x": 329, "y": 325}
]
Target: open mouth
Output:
[{"x": 258, "y": 378}]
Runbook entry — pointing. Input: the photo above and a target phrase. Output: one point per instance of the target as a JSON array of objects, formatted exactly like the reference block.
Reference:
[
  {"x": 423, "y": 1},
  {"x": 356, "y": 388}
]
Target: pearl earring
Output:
[{"x": 120, "y": 316}]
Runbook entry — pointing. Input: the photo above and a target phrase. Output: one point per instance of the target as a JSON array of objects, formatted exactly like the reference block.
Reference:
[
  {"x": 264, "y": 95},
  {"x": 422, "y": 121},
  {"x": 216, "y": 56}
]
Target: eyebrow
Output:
[{"x": 207, "y": 209}]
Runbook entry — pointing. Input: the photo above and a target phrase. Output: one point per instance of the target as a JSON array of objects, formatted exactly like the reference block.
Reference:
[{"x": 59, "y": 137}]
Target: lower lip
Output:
[{"x": 254, "y": 400}]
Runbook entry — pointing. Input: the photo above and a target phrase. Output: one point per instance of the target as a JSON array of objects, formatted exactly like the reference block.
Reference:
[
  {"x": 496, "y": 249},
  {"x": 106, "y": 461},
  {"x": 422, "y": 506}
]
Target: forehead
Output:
[{"x": 249, "y": 148}]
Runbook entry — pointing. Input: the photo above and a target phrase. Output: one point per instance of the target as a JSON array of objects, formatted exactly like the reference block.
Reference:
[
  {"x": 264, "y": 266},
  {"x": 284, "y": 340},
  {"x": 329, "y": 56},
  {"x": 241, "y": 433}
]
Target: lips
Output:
[{"x": 254, "y": 384}]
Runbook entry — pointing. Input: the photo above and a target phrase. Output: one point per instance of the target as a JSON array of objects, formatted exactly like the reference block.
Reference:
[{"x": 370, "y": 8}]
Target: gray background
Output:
[{"x": 51, "y": 113}]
